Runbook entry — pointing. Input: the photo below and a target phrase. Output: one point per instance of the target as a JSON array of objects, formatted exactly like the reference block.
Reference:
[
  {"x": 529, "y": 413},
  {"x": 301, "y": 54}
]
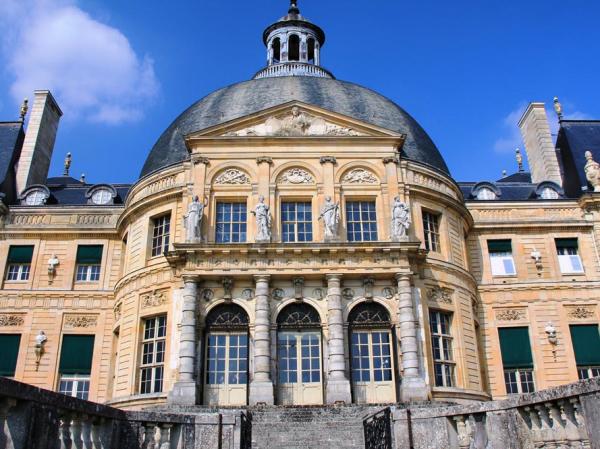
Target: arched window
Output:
[
  {"x": 226, "y": 372},
  {"x": 294, "y": 48},
  {"x": 276, "y": 50},
  {"x": 486, "y": 193},
  {"x": 299, "y": 355},
  {"x": 548, "y": 193},
  {"x": 311, "y": 51},
  {"x": 372, "y": 350}
]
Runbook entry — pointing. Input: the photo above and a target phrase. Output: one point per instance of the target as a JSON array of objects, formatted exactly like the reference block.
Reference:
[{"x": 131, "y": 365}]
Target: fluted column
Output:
[
  {"x": 184, "y": 390},
  {"x": 413, "y": 386},
  {"x": 261, "y": 387},
  {"x": 338, "y": 385}
]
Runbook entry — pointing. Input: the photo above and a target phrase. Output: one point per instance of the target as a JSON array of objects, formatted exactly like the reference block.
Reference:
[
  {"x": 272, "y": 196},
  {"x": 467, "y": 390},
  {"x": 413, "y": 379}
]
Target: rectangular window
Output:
[
  {"x": 19, "y": 263},
  {"x": 361, "y": 221},
  {"x": 231, "y": 222},
  {"x": 441, "y": 342},
  {"x": 501, "y": 259},
  {"x": 296, "y": 222},
  {"x": 161, "y": 233},
  {"x": 153, "y": 355},
  {"x": 75, "y": 365},
  {"x": 89, "y": 259},
  {"x": 586, "y": 344},
  {"x": 568, "y": 256},
  {"x": 9, "y": 346},
  {"x": 517, "y": 360},
  {"x": 431, "y": 231}
]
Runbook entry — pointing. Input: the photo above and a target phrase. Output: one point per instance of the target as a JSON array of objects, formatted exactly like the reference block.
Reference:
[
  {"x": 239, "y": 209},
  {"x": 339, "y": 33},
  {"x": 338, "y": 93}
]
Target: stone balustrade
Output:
[
  {"x": 293, "y": 69},
  {"x": 557, "y": 418},
  {"x": 32, "y": 418}
]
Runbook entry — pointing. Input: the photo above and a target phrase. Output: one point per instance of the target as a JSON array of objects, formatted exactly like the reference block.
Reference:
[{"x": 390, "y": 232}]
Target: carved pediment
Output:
[
  {"x": 296, "y": 176},
  {"x": 295, "y": 122}
]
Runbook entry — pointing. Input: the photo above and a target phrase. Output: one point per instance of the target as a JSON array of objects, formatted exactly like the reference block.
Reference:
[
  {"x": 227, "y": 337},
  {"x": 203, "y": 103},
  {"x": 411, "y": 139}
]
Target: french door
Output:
[
  {"x": 226, "y": 375},
  {"x": 300, "y": 376},
  {"x": 372, "y": 366}
]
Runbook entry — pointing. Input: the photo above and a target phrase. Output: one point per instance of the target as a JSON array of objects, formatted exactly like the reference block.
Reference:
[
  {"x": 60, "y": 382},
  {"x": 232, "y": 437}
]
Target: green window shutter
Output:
[
  {"x": 20, "y": 254},
  {"x": 499, "y": 246},
  {"x": 9, "y": 352},
  {"x": 515, "y": 347},
  {"x": 566, "y": 243},
  {"x": 586, "y": 344},
  {"x": 89, "y": 254},
  {"x": 76, "y": 354}
]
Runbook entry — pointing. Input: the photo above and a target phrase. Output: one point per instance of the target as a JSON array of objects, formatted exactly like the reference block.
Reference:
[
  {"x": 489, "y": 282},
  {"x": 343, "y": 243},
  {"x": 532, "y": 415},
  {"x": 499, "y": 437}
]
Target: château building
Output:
[{"x": 295, "y": 239}]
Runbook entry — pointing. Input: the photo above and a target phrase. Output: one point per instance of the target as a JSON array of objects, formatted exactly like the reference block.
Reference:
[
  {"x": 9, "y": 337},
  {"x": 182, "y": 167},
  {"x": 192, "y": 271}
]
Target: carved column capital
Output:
[
  {"x": 191, "y": 279},
  {"x": 264, "y": 159},
  {"x": 403, "y": 276},
  {"x": 330, "y": 159},
  {"x": 262, "y": 278},
  {"x": 334, "y": 277},
  {"x": 197, "y": 159},
  {"x": 391, "y": 160}
]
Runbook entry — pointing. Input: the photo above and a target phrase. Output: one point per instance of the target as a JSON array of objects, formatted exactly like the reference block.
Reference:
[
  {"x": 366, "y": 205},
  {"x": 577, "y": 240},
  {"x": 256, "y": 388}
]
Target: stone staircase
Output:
[{"x": 337, "y": 427}]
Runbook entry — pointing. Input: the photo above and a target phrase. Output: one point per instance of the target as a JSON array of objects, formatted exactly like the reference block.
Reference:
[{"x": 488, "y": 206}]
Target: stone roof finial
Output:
[
  {"x": 67, "y": 164},
  {"x": 592, "y": 171},
  {"x": 82, "y": 178},
  {"x": 24, "y": 109},
  {"x": 504, "y": 173},
  {"x": 519, "y": 157},
  {"x": 293, "y": 7},
  {"x": 558, "y": 108}
]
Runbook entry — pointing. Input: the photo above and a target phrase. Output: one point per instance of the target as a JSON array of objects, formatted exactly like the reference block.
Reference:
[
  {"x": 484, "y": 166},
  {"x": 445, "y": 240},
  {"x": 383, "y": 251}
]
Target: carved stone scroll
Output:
[
  {"x": 359, "y": 176},
  {"x": 296, "y": 176},
  {"x": 80, "y": 321},
  {"x": 11, "y": 320},
  {"x": 232, "y": 176}
]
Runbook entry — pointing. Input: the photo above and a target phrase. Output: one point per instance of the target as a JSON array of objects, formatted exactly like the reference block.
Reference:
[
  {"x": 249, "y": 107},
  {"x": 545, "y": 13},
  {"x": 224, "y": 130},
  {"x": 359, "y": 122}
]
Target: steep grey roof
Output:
[
  {"x": 514, "y": 187},
  {"x": 67, "y": 191},
  {"x": 11, "y": 141},
  {"x": 253, "y": 96},
  {"x": 575, "y": 137}
]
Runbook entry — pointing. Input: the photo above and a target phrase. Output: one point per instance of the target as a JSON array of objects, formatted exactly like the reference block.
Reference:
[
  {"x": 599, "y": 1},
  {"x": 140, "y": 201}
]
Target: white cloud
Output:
[
  {"x": 511, "y": 135},
  {"x": 89, "y": 66}
]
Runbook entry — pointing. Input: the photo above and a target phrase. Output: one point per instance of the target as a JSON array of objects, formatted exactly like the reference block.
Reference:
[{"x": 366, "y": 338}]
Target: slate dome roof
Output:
[{"x": 253, "y": 96}]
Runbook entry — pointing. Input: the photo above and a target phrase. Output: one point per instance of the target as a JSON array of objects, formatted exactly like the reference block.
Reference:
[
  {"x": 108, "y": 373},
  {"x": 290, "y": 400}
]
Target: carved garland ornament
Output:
[
  {"x": 581, "y": 312},
  {"x": 440, "y": 295},
  {"x": 296, "y": 176},
  {"x": 11, "y": 320},
  {"x": 510, "y": 315},
  {"x": 74, "y": 321},
  {"x": 154, "y": 299},
  {"x": 359, "y": 176},
  {"x": 232, "y": 176}
]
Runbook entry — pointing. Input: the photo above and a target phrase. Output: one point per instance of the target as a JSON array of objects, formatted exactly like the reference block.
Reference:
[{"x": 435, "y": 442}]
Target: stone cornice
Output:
[
  {"x": 314, "y": 258},
  {"x": 537, "y": 286}
]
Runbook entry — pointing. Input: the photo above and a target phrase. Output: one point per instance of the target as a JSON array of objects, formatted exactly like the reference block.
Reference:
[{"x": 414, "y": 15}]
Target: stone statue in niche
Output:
[
  {"x": 330, "y": 214},
  {"x": 400, "y": 220},
  {"x": 592, "y": 171},
  {"x": 193, "y": 221},
  {"x": 262, "y": 213}
]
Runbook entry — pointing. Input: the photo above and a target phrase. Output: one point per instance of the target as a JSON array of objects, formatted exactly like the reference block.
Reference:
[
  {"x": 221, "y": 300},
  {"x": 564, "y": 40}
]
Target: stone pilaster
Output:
[
  {"x": 338, "y": 385},
  {"x": 184, "y": 391},
  {"x": 261, "y": 387},
  {"x": 413, "y": 386}
]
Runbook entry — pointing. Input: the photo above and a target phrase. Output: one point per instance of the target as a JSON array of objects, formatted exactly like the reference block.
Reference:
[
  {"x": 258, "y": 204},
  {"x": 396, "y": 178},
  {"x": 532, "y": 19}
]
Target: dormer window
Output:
[
  {"x": 548, "y": 190},
  {"x": 35, "y": 196},
  {"x": 486, "y": 194},
  {"x": 101, "y": 195},
  {"x": 548, "y": 193}
]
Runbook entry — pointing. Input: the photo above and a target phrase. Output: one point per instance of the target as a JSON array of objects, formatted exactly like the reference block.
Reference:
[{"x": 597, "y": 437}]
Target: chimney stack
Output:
[
  {"x": 36, "y": 153},
  {"x": 541, "y": 153}
]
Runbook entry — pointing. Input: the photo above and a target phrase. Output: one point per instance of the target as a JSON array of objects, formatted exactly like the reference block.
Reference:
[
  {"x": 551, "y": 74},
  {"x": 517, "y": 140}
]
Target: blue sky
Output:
[{"x": 122, "y": 71}]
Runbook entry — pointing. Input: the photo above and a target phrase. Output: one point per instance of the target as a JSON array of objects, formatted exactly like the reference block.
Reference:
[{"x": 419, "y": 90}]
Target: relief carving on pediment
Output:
[
  {"x": 296, "y": 176},
  {"x": 295, "y": 123}
]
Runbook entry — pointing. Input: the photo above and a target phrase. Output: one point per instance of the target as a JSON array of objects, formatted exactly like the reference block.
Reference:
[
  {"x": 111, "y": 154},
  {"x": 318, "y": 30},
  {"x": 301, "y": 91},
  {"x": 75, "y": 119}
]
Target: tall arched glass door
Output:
[
  {"x": 372, "y": 349},
  {"x": 299, "y": 356},
  {"x": 226, "y": 367}
]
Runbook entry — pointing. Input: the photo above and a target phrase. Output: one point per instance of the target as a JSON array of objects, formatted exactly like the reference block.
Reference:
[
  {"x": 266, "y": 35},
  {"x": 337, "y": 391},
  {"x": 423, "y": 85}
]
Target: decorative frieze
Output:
[
  {"x": 511, "y": 314},
  {"x": 580, "y": 312},
  {"x": 232, "y": 176},
  {"x": 80, "y": 321},
  {"x": 359, "y": 176},
  {"x": 154, "y": 299},
  {"x": 296, "y": 176},
  {"x": 440, "y": 295},
  {"x": 10, "y": 320}
]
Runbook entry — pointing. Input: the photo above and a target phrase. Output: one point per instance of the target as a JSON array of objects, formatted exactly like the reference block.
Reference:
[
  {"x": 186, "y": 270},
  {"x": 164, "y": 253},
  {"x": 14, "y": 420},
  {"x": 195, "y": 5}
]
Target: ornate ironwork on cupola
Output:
[{"x": 293, "y": 47}]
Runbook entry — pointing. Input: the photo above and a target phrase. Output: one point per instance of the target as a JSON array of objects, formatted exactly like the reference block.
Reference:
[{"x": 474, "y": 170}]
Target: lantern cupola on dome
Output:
[{"x": 293, "y": 47}]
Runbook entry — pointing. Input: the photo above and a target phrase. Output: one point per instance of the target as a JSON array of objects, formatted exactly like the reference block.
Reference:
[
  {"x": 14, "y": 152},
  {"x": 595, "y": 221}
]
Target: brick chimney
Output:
[
  {"x": 38, "y": 145},
  {"x": 541, "y": 153}
]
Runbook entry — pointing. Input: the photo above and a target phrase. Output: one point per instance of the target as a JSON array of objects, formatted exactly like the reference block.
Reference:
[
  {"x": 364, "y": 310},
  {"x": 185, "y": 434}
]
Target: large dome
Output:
[{"x": 249, "y": 97}]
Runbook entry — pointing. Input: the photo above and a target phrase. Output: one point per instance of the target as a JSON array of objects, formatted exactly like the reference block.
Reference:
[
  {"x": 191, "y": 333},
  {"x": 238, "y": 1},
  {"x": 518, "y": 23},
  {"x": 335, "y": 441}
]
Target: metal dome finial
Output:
[{"x": 293, "y": 7}]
